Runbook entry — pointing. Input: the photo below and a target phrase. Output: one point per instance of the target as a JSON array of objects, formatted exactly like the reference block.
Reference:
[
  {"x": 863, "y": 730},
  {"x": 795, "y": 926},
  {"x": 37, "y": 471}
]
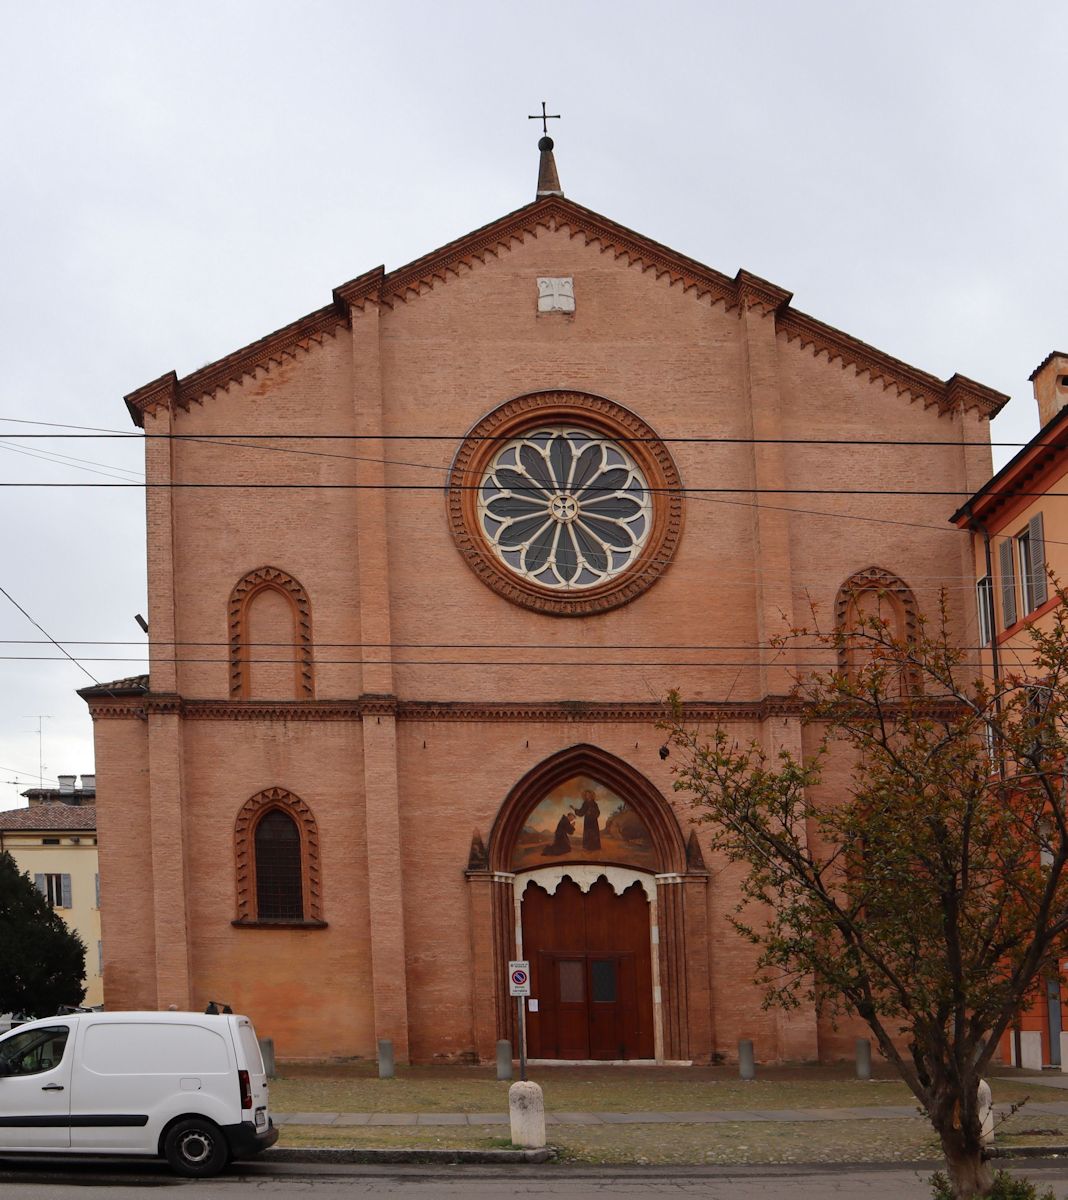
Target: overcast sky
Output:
[{"x": 180, "y": 179}]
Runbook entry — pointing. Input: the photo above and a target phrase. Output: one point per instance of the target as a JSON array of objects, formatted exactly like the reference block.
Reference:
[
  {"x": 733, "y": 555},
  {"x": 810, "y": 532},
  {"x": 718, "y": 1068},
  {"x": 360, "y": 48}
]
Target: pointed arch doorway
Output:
[{"x": 608, "y": 902}]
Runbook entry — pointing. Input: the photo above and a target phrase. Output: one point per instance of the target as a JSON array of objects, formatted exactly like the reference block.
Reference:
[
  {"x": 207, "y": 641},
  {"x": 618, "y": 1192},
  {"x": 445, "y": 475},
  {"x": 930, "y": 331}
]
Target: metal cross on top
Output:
[{"x": 544, "y": 117}]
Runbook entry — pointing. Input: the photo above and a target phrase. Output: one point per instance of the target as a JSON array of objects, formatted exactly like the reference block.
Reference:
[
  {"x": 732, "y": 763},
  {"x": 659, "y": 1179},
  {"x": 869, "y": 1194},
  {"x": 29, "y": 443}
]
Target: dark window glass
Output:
[
  {"x": 278, "y": 874},
  {"x": 34, "y": 1051},
  {"x": 603, "y": 980}
]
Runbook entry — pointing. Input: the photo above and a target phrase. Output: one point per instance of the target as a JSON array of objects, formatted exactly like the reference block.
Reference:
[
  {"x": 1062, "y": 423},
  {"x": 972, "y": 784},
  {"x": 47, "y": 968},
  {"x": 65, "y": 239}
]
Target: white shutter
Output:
[
  {"x": 41, "y": 885},
  {"x": 1039, "y": 589},
  {"x": 65, "y": 881},
  {"x": 1008, "y": 583}
]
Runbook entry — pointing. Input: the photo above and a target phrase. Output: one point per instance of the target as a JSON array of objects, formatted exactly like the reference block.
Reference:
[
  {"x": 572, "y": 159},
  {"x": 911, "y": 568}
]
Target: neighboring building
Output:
[
  {"x": 66, "y": 793},
  {"x": 1020, "y": 534},
  {"x": 55, "y": 844},
  {"x": 409, "y": 733}
]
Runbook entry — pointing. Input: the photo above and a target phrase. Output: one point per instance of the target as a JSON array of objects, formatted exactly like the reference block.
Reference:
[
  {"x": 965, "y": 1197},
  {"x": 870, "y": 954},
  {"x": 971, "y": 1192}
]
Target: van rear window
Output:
[
  {"x": 251, "y": 1048},
  {"x": 121, "y": 1048}
]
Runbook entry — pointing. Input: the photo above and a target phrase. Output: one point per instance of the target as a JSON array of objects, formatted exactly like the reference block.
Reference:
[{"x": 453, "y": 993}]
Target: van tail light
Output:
[{"x": 246, "y": 1089}]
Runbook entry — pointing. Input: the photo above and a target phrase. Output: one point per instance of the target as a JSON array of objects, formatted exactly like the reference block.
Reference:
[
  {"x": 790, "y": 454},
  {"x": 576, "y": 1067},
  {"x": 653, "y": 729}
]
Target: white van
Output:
[{"x": 185, "y": 1086}]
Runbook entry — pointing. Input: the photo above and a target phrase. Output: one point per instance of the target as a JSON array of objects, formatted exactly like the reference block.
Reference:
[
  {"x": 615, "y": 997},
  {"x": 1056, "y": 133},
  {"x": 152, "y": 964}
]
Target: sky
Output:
[{"x": 180, "y": 179}]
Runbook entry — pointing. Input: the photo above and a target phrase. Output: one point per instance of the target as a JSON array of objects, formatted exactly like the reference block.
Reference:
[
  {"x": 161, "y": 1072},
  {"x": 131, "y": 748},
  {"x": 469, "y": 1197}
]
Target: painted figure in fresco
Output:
[
  {"x": 591, "y": 821},
  {"x": 561, "y": 844}
]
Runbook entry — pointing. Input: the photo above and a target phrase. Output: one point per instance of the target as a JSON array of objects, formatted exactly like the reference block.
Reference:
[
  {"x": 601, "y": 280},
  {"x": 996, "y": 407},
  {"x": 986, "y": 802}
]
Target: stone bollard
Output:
[
  {"x": 746, "y": 1063},
  {"x": 385, "y": 1058},
  {"x": 267, "y": 1054},
  {"x": 504, "y": 1059},
  {"x": 526, "y": 1110},
  {"x": 986, "y": 1114},
  {"x": 863, "y": 1058}
]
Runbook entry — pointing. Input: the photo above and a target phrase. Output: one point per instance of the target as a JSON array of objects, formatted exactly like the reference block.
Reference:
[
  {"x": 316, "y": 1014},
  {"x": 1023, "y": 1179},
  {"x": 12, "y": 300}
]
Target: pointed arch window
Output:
[
  {"x": 279, "y": 878},
  {"x": 270, "y": 637},
  {"x": 873, "y": 594}
]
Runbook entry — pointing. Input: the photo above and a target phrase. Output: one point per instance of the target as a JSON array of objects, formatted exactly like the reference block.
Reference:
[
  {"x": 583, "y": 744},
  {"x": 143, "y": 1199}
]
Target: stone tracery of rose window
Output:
[{"x": 565, "y": 507}]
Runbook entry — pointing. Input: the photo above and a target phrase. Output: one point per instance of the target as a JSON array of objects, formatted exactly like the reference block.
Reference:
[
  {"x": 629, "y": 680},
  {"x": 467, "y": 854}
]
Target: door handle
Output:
[{"x": 52, "y": 1087}]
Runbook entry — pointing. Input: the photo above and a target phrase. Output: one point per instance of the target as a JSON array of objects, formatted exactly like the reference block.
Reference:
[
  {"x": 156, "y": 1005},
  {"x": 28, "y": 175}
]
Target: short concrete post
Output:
[
  {"x": 267, "y": 1053},
  {"x": 986, "y": 1114},
  {"x": 746, "y": 1062},
  {"x": 385, "y": 1058},
  {"x": 863, "y": 1058},
  {"x": 526, "y": 1110},
  {"x": 504, "y": 1059}
]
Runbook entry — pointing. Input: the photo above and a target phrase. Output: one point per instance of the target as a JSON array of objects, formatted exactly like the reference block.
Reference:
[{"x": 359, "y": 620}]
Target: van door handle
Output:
[{"x": 52, "y": 1087}]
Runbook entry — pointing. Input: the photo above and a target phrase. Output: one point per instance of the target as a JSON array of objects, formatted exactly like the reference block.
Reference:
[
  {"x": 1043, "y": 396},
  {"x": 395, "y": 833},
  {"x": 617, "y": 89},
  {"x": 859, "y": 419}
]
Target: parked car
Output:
[{"x": 184, "y": 1086}]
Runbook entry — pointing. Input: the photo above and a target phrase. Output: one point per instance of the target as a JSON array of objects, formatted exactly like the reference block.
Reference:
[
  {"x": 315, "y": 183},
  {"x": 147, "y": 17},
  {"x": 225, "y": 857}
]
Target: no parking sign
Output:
[{"x": 519, "y": 978}]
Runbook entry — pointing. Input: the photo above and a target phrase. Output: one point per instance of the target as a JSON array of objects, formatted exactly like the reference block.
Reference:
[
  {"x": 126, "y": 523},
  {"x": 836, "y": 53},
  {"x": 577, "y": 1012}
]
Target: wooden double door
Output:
[{"x": 591, "y": 972}]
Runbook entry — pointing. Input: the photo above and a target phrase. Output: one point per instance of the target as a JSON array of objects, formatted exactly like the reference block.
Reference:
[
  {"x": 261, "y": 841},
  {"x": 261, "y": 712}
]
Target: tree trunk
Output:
[{"x": 970, "y": 1172}]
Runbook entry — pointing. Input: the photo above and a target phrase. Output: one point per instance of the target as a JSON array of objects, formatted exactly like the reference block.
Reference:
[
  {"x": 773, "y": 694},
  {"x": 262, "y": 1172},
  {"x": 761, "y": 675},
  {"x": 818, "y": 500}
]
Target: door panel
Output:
[
  {"x": 591, "y": 972},
  {"x": 35, "y": 1097},
  {"x": 572, "y": 1011}
]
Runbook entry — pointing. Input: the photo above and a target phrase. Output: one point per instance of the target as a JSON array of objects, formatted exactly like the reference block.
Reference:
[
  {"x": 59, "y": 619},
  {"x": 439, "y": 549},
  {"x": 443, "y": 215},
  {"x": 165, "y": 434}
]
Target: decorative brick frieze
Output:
[
  {"x": 559, "y": 711},
  {"x": 288, "y": 342},
  {"x": 551, "y": 214},
  {"x": 949, "y": 396}
]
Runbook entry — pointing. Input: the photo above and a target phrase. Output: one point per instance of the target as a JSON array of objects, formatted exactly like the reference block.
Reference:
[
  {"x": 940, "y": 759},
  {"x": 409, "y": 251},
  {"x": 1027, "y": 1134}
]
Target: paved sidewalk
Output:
[{"x": 718, "y": 1117}]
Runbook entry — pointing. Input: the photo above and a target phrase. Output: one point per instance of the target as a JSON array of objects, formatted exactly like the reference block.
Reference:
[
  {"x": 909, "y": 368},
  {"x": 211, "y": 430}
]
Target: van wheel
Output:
[{"x": 196, "y": 1148}]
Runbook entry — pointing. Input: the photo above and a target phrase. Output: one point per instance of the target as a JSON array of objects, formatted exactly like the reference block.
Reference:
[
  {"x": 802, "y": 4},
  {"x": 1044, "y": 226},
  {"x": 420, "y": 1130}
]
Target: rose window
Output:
[{"x": 564, "y": 507}]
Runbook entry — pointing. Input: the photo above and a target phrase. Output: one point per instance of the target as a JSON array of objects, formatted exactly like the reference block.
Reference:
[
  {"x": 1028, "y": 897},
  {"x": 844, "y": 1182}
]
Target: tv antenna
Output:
[{"x": 40, "y": 718}]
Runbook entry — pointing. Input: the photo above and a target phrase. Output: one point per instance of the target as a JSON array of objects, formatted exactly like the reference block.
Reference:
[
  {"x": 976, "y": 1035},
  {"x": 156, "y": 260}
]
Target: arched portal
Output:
[{"x": 586, "y": 875}]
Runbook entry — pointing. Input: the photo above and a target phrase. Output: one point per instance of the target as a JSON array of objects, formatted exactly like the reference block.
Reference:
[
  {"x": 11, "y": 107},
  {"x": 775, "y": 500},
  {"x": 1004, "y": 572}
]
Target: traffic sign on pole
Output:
[{"x": 519, "y": 978}]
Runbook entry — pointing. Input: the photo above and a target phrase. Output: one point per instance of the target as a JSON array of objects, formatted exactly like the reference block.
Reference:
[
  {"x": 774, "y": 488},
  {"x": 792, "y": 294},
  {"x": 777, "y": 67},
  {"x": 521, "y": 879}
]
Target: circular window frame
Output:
[{"x": 582, "y": 410}]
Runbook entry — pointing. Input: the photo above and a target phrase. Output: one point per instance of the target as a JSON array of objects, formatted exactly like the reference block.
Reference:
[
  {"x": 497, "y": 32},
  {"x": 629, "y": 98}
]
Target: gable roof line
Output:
[
  {"x": 1045, "y": 454},
  {"x": 744, "y": 291}
]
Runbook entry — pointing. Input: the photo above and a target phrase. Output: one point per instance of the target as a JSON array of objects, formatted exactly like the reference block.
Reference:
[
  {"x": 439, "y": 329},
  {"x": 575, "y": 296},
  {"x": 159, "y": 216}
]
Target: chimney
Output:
[
  {"x": 1050, "y": 380},
  {"x": 89, "y": 783},
  {"x": 66, "y": 785}
]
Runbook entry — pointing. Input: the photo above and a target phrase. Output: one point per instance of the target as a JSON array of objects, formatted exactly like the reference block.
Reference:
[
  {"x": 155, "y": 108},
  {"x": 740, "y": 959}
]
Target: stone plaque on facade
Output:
[{"x": 556, "y": 295}]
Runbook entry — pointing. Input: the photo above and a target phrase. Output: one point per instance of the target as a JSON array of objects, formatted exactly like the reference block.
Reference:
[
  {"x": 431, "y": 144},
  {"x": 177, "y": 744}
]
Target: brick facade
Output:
[{"x": 401, "y": 757}]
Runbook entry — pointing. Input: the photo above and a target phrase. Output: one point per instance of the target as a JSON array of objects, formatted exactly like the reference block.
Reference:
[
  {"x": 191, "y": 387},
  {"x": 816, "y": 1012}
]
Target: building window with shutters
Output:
[
  {"x": 1031, "y": 555},
  {"x": 56, "y": 889},
  {"x": 1007, "y": 582}
]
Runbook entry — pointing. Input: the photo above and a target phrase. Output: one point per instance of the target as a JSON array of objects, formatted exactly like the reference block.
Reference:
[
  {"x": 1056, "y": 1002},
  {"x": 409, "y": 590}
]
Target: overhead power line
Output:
[
  {"x": 36, "y": 625},
  {"x": 434, "y": 662},
  {"x": 740, "y": 490},
  {"x": 96, "y": 432}
]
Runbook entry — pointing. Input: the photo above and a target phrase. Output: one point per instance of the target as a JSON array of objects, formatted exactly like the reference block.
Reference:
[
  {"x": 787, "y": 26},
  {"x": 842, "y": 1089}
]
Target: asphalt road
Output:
[{"x": 40, "y": 1181}]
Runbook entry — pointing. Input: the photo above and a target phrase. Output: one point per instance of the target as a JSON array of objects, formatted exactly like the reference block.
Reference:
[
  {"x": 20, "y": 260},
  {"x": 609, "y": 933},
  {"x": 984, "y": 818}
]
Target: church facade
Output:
[{"x": 423, "y": 567}]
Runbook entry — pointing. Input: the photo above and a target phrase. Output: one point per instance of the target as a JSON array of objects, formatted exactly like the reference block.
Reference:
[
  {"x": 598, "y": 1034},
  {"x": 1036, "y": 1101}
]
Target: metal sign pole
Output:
[
  {"x": 519, "y": 987},
  {"x": 521, "y": 1001}
]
